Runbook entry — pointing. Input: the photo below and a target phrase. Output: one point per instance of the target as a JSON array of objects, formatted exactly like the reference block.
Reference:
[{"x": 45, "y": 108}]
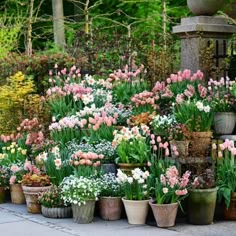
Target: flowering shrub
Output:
[
  {"x": 110, "y": 187},
  {"x": 171, "y": 188},
  {"x": 132, "y": 145},
  {"x": 196, "y": 115},
  {"x": 221, "y": 95},
  {"x": 78, "y": 190},
  {"x": 136, "y": 186},
  {"x": 52, "y": 198}
]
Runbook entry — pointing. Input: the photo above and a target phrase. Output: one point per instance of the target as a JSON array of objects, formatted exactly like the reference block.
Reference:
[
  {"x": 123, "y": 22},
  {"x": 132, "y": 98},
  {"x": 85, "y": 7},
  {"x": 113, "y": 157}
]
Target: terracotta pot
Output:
[
  {"x": 200, "y": 144},
  {"x": 230, "y": 213},
  {"x": 224, "y": 122},
  {"x": 83, "y": 214},
  {"x": 182, "y": 148},
  {"x": 165, "y": 214},
  {"x": 17, "y": 195},
  {"x": 128, "y": 167},
  {"x": 31, "y": 196},
  {"x": 110, "y": 208},
  {"x": 56, "y": 212},
  {"x": 201, "y": 206},
  {"x": 205, "y": 7},
  {"x": 2, "y": 194},
  {"x": 136, "y": 211}
]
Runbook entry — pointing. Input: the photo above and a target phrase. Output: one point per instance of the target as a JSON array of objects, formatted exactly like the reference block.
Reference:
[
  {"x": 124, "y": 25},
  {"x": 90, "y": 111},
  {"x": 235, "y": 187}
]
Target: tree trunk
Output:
[{"x": 58, "y": 23}]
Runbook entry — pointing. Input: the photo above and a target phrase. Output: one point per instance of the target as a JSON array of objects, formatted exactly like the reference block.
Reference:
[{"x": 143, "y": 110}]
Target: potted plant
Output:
[
  {"x": 136, "y": 195},
  {"x": 52, "y": 204},
  {"x": 169, "y": 190},
  {"x": 132, "y": 146},
  {"x": 82, "y": 193},
  {"x": 110, "y": 204},
  {"x": 226, "y": 178},
  {"x": 33, "y": 183},
  {"x": 16, "y": 173},
  {"x": 4, "y": 183},
  {"x": 202, "y": 198},
  {"x": 198, "y": 118},
  {"x": 222, "y": 101}
]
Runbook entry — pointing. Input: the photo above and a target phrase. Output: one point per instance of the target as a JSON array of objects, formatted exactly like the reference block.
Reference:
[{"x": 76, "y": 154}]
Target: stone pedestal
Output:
[{"x": 196, "y": 34}]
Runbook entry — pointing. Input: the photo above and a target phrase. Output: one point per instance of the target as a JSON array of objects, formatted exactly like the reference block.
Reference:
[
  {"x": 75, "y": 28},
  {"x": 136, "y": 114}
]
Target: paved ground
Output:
[{"x": 15, "y": 221}]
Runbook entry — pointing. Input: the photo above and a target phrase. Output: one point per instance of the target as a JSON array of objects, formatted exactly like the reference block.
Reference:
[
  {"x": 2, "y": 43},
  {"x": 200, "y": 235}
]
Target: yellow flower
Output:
[
  {"x": 19, "y": 149},
  {"x": 23, "y": 152},
  {"x": 2, "y": 155},
  {"x": 4, "y": 148},
  {"x": 13, "y": 143},
  {"x": 8, "y": 148},
  {"x": 13, "y": 150}
]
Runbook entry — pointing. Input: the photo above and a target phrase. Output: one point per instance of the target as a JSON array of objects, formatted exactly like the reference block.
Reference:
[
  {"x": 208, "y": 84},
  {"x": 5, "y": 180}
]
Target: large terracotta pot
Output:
[
  {"x": 110, "y": 208},
  {"x": 201, "y": 206},
  {"x": 31, "y": 196},
  {"x": 56, "y": 212},
  {"x": 2, "y": 194},
  {"x": 224, "y": 122},
  {"x": 165, "y": 214},
  {"x": 17, "y": 195},
  {"x": 83, "y": 214},
  {"x": 230, "y": 213},
  {"x": 200, "y": 144},
  {"x": 205, "y": 7},
  {"x": 136, "y": 211}
]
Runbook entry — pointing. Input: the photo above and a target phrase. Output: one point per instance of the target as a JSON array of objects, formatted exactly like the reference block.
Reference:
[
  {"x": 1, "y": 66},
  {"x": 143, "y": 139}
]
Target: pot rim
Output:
[
  {"x": 151, "y": 202},
  {"x": 203, "y": 190},
  {"x": 125, "y": 200}
]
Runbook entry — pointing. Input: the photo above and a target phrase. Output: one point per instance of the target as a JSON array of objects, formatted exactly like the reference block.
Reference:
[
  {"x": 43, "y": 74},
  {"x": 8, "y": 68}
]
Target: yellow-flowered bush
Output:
[{"x": 18, "y": 100}]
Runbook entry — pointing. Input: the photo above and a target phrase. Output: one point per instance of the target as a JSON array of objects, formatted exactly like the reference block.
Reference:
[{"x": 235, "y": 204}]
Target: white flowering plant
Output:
[
  {"x": 78, "y": 190},
  {"x": 170, "y": 187},
  {"x": 110, "y": 186},
  {"x": 136, "y": 186},
  {"x": 132, "y": 144},
  {"x": 196, "y": 115}
]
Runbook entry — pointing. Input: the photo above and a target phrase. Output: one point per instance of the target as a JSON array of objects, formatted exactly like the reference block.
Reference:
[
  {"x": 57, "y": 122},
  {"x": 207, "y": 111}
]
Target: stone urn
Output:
[{"x": 205, "y": 7}]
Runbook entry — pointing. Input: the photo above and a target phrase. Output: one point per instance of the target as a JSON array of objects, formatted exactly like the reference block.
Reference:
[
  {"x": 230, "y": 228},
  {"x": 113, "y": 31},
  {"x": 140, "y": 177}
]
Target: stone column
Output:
[{"x": 196, "y": 33}]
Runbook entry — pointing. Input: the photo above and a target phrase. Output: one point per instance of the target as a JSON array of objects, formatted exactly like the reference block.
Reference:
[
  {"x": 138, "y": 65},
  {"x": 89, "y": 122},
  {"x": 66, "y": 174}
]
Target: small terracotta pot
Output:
[
  {"x": 136, "y": 211},
  {"x": 165, "y": 214},
  {"x": 17, "y": 195},
  {"x": 31, "y": 196},
  {"x": 110, "y": 208}
]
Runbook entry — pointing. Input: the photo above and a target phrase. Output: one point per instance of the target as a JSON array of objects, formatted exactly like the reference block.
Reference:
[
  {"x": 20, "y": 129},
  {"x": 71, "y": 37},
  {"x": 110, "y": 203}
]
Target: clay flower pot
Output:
[
  {"x": 110, "y": 208},
  {"x": 17, "y": 195},
  {"x": 31, "y": 196},
  {"x": 165, "y": 214},
  {"x": 136, "y": 211}
]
